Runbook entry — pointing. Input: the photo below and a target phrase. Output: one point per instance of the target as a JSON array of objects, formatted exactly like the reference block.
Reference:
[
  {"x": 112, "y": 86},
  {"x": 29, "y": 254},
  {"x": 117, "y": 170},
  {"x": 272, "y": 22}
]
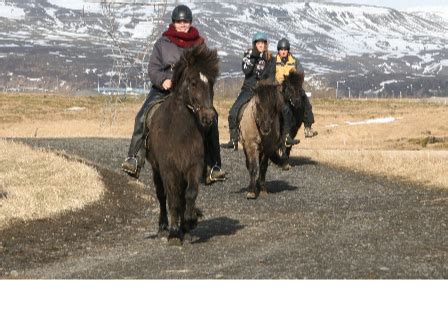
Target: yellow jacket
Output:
[{"x": 283, "y": 69}]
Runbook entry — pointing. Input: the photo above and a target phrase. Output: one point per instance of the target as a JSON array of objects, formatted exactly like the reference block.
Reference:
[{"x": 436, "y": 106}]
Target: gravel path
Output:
[{"x": 316, "y": 222}]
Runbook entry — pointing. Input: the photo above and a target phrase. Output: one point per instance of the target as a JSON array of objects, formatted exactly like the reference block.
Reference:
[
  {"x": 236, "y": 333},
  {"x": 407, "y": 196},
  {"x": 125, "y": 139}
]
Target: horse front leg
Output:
[
  {"x": 190, "y": 217},
  {"x": 174, "y": 194},
  {"x": 264, "y": 162},
  {"x": 252, "y": 166},
  {"x": 163, "y": 215}
]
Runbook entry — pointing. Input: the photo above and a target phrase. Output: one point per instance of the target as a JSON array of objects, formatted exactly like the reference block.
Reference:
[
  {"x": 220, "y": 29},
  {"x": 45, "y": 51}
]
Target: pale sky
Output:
[{"x": 399, "y": 4}]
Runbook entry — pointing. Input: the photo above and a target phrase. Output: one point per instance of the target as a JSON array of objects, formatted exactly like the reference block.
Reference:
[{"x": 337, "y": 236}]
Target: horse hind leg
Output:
[
  {"x": 252, "y": 166},
  {"x": 264, "y": 163},
  {"x": 163, "y": 216}
]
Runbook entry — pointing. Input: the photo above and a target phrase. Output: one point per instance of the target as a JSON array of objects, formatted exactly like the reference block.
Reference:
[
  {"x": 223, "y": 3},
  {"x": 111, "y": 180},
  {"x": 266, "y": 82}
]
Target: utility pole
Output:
[
  {"x": 129, "y": 56},
  {"x": 337, "y": 87}
]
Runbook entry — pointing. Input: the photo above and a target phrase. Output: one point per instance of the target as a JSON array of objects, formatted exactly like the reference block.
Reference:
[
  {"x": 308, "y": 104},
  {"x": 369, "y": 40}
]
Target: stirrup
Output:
[
  {"x": 214, "y": 179},
  {"x": 210, "y": 179},
  {"x": 230, "y": 145},
  {"x": 132, "y": 172}
]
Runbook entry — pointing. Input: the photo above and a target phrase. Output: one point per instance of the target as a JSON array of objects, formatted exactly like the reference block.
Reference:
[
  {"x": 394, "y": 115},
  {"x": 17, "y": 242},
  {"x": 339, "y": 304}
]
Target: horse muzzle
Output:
[
  {"x": 265, "y": 131},
  {"x": 206, "y": 117}
]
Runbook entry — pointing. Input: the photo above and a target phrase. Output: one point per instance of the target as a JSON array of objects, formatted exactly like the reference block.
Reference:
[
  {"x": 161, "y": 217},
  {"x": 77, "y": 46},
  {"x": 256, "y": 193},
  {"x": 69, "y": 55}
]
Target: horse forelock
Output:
[
  {"x": 294, "y": 78},
  {"x": 268, "y": 97},
  {"x": 203, "y": 60}
]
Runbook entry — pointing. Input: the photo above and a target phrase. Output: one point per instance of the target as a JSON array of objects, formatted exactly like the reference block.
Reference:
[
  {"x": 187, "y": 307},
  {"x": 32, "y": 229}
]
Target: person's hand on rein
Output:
[{"x": 167, "y": 84}]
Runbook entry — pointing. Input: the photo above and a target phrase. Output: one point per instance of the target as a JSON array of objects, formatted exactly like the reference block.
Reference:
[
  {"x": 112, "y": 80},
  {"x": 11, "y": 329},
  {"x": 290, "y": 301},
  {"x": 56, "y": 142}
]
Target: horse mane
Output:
[
  {"x": 197, "y": 59},
  {"x": 268, "y": 93},
  {"x": 264, "y": 88},
  {"x": 294, "y": 78}
]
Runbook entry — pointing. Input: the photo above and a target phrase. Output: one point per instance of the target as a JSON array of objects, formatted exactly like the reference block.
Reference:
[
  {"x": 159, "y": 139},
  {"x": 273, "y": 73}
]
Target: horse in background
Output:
[
  {"x": 291, "y": 87},
  {"x": 260, "y": 134},
  {"x": 175, "y": 144}
]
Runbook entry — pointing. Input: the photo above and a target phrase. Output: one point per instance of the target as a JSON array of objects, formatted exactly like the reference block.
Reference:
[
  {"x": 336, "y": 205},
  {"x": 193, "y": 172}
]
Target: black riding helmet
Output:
[
  {"x": 283, "y": 44},
  {"x": 182, "y": 12}
]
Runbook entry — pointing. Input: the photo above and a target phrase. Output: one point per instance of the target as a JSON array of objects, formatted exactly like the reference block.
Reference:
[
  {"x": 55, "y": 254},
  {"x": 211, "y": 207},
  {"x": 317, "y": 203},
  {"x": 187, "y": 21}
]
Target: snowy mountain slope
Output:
[{"x": 69, "y": 40}]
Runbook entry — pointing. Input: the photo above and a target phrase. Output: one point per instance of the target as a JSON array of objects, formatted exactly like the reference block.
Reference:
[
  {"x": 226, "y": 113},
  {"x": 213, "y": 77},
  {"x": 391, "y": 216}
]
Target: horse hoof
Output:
[
  {"x": 286, "y": 167},
  {"x": 191, "y": 224},
  {"x": 263, "y": 193},
  {"x": 163, "y": 235},
  {"x": 199, "y": 212},
  {"x": 251, "y": 195},
  {"x": 174, "y": 241},
  {"x": 188, "y": 238}
]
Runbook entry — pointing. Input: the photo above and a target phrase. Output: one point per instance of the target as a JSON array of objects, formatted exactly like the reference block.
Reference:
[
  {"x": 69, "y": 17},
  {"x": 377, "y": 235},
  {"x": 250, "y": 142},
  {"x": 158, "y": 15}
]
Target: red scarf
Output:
[{"x": 184, "y": 40}]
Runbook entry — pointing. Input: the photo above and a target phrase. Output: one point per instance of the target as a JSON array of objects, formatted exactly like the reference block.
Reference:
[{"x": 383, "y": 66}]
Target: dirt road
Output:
[{"x": 317, "y": 222}]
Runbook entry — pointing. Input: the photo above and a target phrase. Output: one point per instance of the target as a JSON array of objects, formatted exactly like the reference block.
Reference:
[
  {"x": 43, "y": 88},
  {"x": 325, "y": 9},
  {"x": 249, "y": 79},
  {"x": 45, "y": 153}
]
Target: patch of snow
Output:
[
  {"x": 11, "y": 12},
  {"x": 75, "y": 109},
  {"x": 142, "y": 30},
  {"x": 77, "y": 5},
  {"x": 385, "y": 120}
]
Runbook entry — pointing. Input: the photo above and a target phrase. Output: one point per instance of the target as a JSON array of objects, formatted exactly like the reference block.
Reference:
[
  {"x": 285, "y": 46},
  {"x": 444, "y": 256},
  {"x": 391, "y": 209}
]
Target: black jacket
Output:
[{"x": 256, "y": 67}]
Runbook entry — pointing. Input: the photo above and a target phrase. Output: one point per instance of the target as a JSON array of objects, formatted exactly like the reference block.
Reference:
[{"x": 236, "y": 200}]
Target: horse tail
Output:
[{"x": 277, "y": 159}]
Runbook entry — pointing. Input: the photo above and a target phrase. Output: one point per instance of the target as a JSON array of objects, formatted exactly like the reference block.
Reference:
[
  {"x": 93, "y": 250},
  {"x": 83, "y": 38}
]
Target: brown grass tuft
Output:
[
  {"x": 37, "y": 184},
  {"x": 427, "y": 168}
]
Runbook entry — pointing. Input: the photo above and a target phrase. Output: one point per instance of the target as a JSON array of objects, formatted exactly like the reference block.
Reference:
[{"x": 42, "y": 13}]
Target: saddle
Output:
[
  {"x": 149, "y": 112},
  {"x": 152, "y": 108}
]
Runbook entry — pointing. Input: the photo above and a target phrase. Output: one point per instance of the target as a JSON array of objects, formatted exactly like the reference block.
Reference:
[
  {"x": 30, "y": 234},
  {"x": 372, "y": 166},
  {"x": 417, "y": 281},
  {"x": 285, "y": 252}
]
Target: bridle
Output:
[
  {"x": 193, "y": 106},
  {"x": 255, "y": 116}
]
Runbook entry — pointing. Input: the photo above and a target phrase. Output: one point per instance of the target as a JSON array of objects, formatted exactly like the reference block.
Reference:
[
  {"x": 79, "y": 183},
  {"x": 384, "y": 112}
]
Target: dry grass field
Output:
[
  {"x": 36, "y": 184},
  {"x": 407, "y": 139}
]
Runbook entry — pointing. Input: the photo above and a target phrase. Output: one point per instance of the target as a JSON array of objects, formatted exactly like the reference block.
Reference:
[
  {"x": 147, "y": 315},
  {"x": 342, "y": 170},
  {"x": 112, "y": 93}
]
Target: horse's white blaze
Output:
[{"x": 203, "y": 78}]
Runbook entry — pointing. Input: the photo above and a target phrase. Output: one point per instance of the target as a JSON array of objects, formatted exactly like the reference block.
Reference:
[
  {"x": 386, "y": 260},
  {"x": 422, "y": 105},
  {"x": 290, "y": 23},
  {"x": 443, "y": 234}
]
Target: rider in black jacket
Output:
[{"x": 258, "y": 63}]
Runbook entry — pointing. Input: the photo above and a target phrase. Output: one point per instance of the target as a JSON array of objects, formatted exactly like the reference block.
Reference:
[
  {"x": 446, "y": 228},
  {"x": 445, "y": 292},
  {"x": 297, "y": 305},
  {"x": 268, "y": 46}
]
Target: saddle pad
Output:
[{"x": 150, "y": 111}]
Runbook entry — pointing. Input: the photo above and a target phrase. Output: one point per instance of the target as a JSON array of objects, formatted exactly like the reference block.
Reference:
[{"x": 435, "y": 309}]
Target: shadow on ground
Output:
[
  {"x": 221, "y": 226},
  {"x": 301, "y": 161}
]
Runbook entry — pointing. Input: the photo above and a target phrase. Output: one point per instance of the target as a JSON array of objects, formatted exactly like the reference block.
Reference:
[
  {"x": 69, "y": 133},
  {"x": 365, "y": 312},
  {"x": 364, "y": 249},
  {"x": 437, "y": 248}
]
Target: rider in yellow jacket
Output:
[{"x": 285, "y": 62}]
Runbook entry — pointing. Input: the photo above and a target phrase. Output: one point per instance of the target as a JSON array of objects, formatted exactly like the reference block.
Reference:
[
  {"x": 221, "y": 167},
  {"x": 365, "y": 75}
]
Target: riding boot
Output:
[
  {"x": 137, "y": 149},
  {"x": 309, "y": 132},
  {"x": 244, "y": 96},
  {"x": 213, "y": 154},
  {"x": 233, "y": 142},
  {"x": 286, "y": 118},
  {"x": 309, "y": 116},
  {"x": 290, "y": 141}
]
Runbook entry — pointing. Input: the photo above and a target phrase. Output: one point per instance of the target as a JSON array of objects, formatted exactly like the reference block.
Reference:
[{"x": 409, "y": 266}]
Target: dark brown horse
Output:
[
  {"x": 260, "y": 134},
  {"x": 175, "y": 143},
  {"x": 291, "y": 88}
]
